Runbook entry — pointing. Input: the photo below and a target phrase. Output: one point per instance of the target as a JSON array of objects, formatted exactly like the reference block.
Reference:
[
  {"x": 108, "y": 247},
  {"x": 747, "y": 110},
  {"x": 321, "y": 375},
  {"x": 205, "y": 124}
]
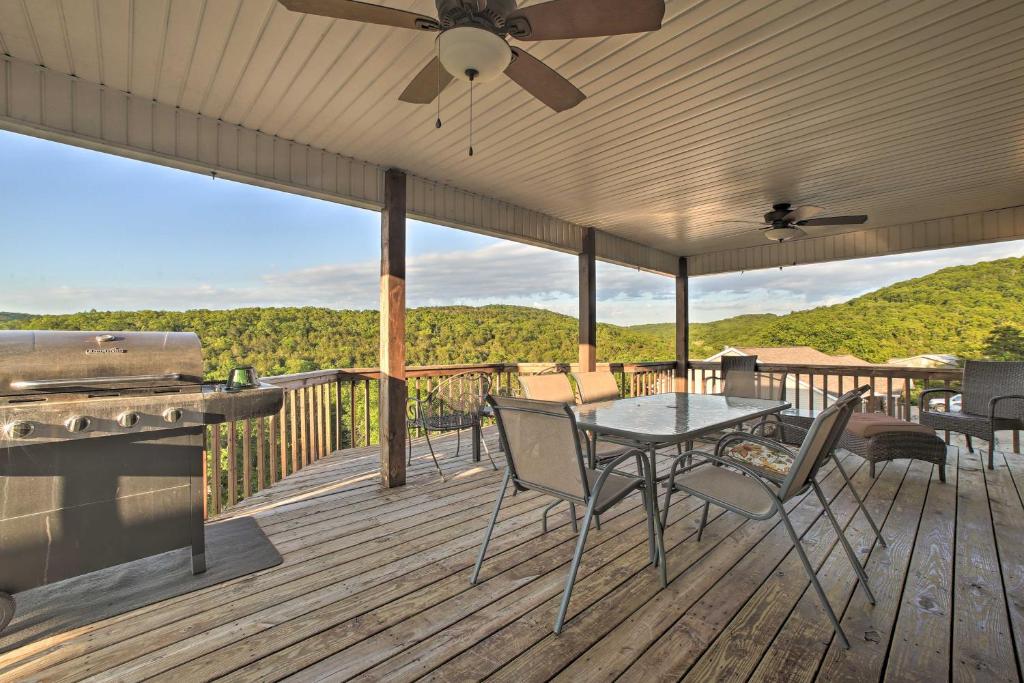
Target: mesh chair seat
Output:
[
  {"x": 616, "y": 487},
  {"x": 773, "y": 462},
  {"x": 728, "y": 488},
  {"x": 449, "y": 421},
  {"x": 606, "y": 450}
]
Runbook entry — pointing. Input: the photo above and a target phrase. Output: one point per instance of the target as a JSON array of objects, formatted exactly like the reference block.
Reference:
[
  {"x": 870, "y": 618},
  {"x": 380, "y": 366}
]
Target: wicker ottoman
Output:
[{"x": 877, "y": 437}]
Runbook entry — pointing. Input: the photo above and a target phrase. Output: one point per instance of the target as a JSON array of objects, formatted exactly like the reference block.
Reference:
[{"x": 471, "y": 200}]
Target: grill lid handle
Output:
[{"x": 92, "y": 381}]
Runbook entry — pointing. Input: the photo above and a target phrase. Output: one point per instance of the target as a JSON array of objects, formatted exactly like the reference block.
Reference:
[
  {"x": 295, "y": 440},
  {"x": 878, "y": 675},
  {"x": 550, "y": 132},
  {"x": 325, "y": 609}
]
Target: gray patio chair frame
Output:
[
  {"x": 451, "y": 406},
  {"x": 821, "y": 439},
  {"x": 993, "y": 400},
  {"x": 745, "y": 366},
  {"x": 553, "y": 479}
]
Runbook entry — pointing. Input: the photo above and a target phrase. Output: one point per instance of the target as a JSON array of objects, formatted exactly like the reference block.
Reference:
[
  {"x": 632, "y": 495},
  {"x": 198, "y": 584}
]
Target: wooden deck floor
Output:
[{"x": 375, "y": 586}]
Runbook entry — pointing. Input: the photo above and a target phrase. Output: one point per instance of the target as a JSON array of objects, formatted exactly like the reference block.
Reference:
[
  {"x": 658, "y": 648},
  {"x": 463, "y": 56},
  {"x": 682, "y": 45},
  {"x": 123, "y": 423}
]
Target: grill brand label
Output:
[{"x": 112, "y": 349}]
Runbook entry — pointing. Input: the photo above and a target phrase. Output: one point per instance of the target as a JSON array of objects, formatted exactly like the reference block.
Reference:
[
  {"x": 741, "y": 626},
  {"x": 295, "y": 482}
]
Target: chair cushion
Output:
[
  {"x": 616, "y": 487},
  {"x": 867, "y": 425},
  {"x": 721, "y": 484},
  {"x": 775, "y": 462}
]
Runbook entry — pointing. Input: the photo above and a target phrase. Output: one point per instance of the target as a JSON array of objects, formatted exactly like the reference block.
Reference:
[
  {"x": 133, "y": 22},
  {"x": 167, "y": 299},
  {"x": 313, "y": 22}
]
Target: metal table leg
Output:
[{"x": 477, "y": 435}]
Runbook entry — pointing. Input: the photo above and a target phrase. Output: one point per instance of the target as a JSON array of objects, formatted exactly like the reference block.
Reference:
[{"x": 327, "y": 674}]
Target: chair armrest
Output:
[
  {"x": 745, "y": 436},
  {"x": 996, "y": 399},
  {"x": 922, "y": 400},
  {"x": 606, "y": 472}
]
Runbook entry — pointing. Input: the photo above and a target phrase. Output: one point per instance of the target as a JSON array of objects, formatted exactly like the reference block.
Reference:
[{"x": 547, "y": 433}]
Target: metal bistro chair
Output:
[
  {"x": 453, "y": 405},
  {"x": 745, "y": 490},
  {"x": 543, "y": 453},
  {"x": 993, "y": 400}
]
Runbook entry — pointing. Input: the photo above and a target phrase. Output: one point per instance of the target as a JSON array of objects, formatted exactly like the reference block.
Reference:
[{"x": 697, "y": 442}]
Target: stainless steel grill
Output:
[{"x": 101, "y": 450}]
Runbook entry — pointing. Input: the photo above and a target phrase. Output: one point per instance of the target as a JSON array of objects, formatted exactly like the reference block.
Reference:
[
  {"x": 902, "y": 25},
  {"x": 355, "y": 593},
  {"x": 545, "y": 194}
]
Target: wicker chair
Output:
[
  {"x": 993, "y": 400},
  {"x": 747, "y": 490},
  {"x": 453, "y": 405},
  {"x": 543, "y": 453}
]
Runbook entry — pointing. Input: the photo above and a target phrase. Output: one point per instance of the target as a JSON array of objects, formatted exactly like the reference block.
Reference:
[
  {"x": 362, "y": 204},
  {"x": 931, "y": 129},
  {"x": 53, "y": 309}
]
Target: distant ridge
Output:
[{"x": 974, "y": 311}]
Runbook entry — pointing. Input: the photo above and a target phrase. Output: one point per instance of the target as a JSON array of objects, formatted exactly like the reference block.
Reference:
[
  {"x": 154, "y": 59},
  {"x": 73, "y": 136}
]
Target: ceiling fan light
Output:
[
  {"x": 783, "y": 234},
  {"x": 466, "y": 49}
]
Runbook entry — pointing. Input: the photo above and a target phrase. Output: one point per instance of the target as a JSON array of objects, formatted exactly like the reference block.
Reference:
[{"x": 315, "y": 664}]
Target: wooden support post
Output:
[
  {"x": 682, "y": 326},
  {"x": 393, "y": 391},
  {"x": 588, "y": 302}
]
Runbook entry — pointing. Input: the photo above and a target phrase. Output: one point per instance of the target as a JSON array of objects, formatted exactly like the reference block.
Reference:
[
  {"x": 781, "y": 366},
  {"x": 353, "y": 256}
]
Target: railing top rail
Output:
[{"x": 848, "y": 370}]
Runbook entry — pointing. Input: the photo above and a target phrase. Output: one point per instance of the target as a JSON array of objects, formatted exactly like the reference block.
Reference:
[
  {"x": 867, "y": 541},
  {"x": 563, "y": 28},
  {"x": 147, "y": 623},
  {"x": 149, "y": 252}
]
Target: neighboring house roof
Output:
[
  {"x": 808, "y": 355},
  {"x": 928, "y": 360}
]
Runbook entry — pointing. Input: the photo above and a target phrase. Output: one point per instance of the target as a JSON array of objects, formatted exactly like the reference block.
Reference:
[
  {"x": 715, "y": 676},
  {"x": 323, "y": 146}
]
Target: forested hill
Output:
[
  {"x": 286, "y": 340},
  {"x": 974, "y": 311}
]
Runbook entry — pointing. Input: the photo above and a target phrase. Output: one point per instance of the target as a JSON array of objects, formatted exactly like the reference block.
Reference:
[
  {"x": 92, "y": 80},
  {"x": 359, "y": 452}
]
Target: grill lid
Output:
[{"x": 57, "y": 361}]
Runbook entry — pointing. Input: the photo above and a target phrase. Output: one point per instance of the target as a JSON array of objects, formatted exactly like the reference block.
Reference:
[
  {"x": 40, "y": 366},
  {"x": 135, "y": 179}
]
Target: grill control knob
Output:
[
  {"x": 128, "y": 419},
  {"x": 19, "y": 430},
  {"x": 172, "y": 415},
  {"x": 77, "y": 423}
]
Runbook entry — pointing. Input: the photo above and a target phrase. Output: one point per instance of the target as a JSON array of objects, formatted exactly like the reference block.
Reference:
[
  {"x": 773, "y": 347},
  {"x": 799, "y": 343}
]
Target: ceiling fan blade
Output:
[
  {"x": 543, "y": 82},
  {"x": 427, "y": 84},
  {"x": 560, "y": 19},
  {"x": 835, "y": 220},
  {"x": 364, "y": 12},
  {"x": 803, "y": 213}
]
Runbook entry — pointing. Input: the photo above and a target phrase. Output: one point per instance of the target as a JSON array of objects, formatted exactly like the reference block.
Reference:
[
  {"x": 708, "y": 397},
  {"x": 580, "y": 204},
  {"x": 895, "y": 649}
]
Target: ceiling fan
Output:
[
  {"x": 783, "y": 222},
  {"x": 472, "y": 42}
]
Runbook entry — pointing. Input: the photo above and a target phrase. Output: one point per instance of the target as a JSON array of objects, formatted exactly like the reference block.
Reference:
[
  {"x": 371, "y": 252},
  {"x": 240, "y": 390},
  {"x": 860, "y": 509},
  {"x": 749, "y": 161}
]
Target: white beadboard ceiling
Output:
[{"x": 907, "y": 111}]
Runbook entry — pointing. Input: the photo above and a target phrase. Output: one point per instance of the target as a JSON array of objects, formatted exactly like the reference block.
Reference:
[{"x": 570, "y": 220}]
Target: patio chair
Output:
[
  {"x": 451, "y": 406},
  {"x": 750, "y": 492},
  {"x": 543, "y": 453},
  {"x": 736, "y": 376},
  {"x": 993, "y": 400},
  {"x": 547, "y": 387},
  {"x": 595, "y": 387}
]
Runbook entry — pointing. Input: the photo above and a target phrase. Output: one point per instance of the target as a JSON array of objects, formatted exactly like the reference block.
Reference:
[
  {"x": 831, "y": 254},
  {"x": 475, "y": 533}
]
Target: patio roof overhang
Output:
[{"x": 906, "y": 112}]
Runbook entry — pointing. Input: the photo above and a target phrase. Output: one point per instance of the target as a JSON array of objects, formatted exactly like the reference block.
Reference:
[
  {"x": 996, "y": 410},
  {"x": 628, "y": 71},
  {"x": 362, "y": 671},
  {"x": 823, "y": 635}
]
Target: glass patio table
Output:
[{"x": 652, "y": 422}]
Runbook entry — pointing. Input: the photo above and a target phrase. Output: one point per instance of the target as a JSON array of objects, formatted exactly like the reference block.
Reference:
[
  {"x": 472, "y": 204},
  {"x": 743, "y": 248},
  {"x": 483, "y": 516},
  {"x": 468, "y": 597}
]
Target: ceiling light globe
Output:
[
  {"x": 783, "y": 234},
  {"x": 468, "y": 49}
]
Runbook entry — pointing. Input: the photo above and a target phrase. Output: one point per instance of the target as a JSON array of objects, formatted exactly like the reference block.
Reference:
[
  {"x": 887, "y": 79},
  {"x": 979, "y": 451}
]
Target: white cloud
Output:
[{"x": 512, "y": 273}]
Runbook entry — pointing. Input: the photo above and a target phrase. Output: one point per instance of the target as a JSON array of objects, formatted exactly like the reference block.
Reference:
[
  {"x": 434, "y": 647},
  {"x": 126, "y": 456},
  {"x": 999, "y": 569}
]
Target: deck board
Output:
[{"x": 374, "y": 585}]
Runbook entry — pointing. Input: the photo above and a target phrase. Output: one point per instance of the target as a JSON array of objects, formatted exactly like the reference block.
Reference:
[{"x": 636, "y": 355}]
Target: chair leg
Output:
[
  {"x": 970, "y": 445},
  {"x": 992, "y": 453},
  {"x": 572, "y": 517},
  {"x": 669, "y": 487},
  {"x": 408, "y": 441},
  {"x": 432, "y": 455},
  {"x": 860, "y": 501},
  {"x": 575, "y": 566},
  {"x": 813, "y": 577},
  {"x": 487, "y": 450},
  {"x": 597, "y": 522},
  {"x": 703, "y": 521},
  {"x": 544, "y": 516},
  {"x": 490, "y": 527},
  {"x": 854, "y": 560},
  {"x": 458, "y": 441}
]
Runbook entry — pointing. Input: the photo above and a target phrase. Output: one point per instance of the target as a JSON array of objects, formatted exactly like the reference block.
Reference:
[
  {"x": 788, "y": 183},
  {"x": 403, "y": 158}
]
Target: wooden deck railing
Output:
[
  {"x": 894, "y": 389},
  {"x": 331, "y": 410}
]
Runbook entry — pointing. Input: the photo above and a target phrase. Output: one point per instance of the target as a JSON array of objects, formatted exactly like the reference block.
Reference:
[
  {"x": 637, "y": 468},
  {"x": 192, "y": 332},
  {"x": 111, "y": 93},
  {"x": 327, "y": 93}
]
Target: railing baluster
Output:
[
  {"x": 246, "y": 458},
  {"x": 215, "y": 489},
  {"x": 232, "y": 465},
  {"x": 206, "y": 478},
  {"x": 275, "y": 420},
  {"x": 295, "y": 430},
  {"x": 261, "y": 468},
  {"x": 366, "y": 412}
]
